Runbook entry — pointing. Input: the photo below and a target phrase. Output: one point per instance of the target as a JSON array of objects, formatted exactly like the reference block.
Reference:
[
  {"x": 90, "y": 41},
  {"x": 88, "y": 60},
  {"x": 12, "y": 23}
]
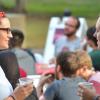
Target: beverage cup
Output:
[
  {"x": 87, "y": 84},
  {"x": 25, "y": 80}
]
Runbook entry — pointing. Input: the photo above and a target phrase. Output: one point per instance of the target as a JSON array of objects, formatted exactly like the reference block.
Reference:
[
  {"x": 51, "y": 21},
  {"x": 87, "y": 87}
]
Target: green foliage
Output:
[
  {"x": 87, "y": 8},
  {"x": 7, "y": 3}
]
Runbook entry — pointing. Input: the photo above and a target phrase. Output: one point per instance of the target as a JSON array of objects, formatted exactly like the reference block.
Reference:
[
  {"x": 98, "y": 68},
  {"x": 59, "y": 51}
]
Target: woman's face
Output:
[{"x": 5, "y": 33}]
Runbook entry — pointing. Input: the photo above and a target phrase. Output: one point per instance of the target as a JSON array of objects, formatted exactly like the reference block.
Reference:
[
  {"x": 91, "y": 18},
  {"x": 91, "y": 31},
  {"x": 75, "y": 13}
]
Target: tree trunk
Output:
[{"x": 20, "y": 5}]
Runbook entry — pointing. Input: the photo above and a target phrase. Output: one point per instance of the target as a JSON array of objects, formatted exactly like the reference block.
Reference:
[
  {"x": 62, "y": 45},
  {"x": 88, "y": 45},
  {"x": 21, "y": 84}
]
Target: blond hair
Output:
[
  {"x": 98, "y": 22},
  {"x": 83, "y": 59}
]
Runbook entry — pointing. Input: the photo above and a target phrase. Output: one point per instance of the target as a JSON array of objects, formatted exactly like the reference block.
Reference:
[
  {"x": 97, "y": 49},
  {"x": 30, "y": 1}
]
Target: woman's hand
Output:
[{"x": 23, "y": 91}]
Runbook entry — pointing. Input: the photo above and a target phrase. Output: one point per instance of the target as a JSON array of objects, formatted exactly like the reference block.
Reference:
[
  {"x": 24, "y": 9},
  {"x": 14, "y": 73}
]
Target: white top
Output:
[{"x": 5, "y": 86}]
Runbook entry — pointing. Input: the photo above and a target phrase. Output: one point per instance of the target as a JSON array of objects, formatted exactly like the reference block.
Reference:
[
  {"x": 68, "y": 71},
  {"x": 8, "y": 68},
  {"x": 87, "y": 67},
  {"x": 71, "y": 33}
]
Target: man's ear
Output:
[
  {"x": 58, "y": 68},
  {"x": 59, "y": 74}
]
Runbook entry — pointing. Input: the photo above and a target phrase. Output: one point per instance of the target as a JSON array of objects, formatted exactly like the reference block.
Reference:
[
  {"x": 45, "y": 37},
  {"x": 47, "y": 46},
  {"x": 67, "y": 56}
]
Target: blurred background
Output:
[{"x": 33, "y": 16}]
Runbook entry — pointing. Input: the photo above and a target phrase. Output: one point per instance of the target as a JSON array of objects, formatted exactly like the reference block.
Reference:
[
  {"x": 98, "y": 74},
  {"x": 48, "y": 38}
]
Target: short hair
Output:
[
  {"x": 17, "y": 39},
  {"x": 67, "y": 62},
  {"x": 90, "y": 34},
  {"x": 83, "y": 59}
]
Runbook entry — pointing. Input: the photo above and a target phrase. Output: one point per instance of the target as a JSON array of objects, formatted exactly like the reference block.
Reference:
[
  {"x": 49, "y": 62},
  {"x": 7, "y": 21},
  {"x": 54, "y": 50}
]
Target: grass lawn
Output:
[{"x": 87, "y": 8}]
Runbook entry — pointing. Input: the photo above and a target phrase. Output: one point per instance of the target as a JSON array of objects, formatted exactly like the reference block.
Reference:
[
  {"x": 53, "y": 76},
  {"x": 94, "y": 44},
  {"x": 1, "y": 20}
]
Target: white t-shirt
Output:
[{"x": 5, "y": 86}]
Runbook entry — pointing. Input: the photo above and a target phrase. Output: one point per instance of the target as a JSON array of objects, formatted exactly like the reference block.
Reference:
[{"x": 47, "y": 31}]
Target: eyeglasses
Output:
[
  {"x": 8, "y": 30},
  {"x": 69, "y": 25}
]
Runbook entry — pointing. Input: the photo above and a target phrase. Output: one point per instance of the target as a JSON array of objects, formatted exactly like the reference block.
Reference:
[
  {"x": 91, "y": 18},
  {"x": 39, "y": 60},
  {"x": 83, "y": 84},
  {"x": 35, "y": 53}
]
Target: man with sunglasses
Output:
[{"x": 69, "y": 42}]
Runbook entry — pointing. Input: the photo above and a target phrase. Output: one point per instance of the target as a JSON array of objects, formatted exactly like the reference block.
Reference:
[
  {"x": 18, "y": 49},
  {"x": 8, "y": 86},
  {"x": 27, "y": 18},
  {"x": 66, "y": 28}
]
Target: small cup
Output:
[
  {"x": 25, "y": 80},
  {"x": 87, "y": 84}
]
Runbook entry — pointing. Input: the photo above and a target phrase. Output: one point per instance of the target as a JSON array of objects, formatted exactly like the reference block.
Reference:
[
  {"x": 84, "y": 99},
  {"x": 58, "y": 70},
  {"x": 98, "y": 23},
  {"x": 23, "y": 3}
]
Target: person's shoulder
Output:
[
  {"x": 95, "y": 77},
  {"x": 55, "y": 84},
  {"x": 95, "y": 53},
  {"x": 52, "y": 88},
  {"x": 6, "y": 53},
  {"x": 58, "y": 83},
  {"x": 20, "y": 52}
]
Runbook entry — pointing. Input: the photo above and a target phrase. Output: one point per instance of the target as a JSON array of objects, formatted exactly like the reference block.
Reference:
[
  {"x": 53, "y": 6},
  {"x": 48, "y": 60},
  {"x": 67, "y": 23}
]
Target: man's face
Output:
[
  {"x": 70, "y": 26},
  {"x": 5, "y": 33}
]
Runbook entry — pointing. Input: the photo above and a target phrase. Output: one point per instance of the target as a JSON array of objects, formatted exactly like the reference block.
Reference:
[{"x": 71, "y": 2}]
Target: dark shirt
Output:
[
  {"x": 9, "y": 65},
  {"x": 95, "y": 56}
]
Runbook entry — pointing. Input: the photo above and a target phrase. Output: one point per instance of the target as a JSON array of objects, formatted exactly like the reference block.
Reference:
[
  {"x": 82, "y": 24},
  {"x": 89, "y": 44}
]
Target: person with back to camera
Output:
[
  {"x": 26, "y": 58},
  {"x": 69, "y": 42},
  {"x": 65, "y": 88}
]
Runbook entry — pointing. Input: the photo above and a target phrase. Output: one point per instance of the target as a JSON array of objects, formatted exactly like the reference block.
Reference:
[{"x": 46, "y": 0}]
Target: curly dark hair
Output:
[{"x": 90, "y": 34}]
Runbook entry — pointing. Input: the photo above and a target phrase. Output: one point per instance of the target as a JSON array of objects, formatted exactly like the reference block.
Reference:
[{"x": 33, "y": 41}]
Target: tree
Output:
[{"x": 20, "y": 5}]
